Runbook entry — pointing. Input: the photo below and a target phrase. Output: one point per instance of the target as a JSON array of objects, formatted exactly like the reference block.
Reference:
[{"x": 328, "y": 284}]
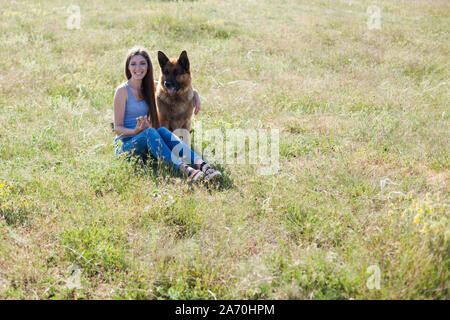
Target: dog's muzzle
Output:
[{"x": 171, "y": 86}]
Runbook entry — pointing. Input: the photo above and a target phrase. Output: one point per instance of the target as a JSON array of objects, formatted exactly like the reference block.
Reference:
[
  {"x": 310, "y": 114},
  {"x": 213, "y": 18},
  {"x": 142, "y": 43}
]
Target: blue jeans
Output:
[{"x": 162, "y": 144}]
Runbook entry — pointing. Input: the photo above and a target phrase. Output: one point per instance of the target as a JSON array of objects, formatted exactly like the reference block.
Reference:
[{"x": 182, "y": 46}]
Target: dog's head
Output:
[{"x": 175, "y": 73}]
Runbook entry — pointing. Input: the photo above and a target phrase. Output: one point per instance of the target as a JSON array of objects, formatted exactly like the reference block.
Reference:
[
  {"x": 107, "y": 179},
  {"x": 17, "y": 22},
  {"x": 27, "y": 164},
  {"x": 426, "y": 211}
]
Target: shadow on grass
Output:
[
  {"x": 150, "y": 166},
  {"x": 15, "y": 216}
]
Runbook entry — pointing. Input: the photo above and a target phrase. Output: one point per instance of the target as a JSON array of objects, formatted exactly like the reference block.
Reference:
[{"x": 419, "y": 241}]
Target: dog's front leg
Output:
[
  {"x": 181, "y": 132},
  {"x": 187, "y": 132},
  {"x": 165, "y": 123}
]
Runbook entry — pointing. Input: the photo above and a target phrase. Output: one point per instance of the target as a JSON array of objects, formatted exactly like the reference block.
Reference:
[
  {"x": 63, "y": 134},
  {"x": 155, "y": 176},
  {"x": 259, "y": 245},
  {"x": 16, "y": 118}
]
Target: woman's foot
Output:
[
  {"x": 211, "y": 174},
  {"x": 192, "y": 175}
]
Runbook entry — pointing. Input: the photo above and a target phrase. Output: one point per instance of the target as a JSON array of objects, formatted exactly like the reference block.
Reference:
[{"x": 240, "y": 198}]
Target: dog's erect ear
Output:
[
  {"x": 183, "y": 60},
  {"x": 162, "y": 58}
]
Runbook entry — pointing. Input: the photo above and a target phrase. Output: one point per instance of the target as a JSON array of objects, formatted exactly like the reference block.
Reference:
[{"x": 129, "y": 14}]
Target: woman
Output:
[{"x": 136, "y": 124}]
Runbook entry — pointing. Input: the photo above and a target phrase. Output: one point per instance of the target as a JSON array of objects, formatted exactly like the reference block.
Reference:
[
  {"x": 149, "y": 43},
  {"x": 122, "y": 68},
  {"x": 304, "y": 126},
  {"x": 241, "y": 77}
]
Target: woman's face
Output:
[{"x": 138, "y": 67}]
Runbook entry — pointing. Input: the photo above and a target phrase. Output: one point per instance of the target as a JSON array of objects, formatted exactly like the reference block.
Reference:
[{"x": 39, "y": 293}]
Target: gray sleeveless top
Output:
[{"x": 133, "y": 110}]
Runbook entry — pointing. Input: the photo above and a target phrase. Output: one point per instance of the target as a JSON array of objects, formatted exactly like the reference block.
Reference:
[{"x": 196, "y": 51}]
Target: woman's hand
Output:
[
  {"x": 142, "y": 124},
  {"x": 196, "y": 102}
]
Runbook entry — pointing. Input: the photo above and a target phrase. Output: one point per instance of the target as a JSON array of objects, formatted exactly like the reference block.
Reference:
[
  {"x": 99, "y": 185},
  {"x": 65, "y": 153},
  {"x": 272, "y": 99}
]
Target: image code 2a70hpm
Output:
[{"x": 235, "y": 309}]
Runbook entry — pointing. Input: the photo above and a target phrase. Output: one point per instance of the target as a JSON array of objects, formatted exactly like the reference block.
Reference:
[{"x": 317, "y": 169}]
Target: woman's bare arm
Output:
[
  {"x": 120, "y": 100},
  {"x": 197, "y": 104}
]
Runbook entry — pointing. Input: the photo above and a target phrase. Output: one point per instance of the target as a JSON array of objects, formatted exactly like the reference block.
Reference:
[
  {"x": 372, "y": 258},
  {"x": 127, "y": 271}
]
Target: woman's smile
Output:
[{"x": 139, "y": 74}]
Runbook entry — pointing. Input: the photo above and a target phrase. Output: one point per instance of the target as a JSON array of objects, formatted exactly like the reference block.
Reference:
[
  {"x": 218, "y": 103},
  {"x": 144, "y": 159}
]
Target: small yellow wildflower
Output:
[
  {"x": 2, "y": 185},
  {"x": 435, "y": 230},
  {"x": 410, "y": 197},
  {"x": 424, "y": 231},
  {"x": 9, "y": 188},
  {"x": 393, "y": 207},
  {"x": 431, "y": 211},
  {"x": 417, "y": 219},
  {"x": 20, "y": 205},
  {"x": 400, "y": 200},
  {"x": 442, "y": 209}
]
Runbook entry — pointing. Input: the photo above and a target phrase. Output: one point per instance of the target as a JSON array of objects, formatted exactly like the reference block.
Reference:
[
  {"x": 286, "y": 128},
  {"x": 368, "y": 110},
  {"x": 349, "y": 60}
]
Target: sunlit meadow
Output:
[{"x": 359, "y": 91}]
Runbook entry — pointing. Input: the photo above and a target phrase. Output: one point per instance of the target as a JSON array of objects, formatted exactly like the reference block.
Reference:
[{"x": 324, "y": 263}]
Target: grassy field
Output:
[{"x": 362, "y": 192}]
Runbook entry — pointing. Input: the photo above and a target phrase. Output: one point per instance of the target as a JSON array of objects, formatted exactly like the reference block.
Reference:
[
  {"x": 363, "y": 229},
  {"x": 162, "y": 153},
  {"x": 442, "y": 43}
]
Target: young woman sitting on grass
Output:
[{"x": 136, "y": 124}]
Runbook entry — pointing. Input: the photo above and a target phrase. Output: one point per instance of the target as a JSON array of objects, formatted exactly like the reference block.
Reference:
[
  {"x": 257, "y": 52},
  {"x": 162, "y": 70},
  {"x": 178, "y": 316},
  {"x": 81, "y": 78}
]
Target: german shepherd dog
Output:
[{"x": 174, "y": 94}]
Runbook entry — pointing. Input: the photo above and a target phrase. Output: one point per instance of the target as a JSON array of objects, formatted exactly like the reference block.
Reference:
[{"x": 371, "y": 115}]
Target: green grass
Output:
[{"x": 354, "y": 106}]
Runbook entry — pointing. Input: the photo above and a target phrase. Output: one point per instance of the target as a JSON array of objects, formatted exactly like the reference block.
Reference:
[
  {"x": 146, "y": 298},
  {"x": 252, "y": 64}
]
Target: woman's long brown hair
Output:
[{"x": 148, "y": 85}]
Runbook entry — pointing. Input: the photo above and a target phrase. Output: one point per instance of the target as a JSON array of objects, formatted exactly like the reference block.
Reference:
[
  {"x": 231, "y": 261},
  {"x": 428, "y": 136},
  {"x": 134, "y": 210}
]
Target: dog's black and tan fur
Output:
[{"x": 174, "y": 93}]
